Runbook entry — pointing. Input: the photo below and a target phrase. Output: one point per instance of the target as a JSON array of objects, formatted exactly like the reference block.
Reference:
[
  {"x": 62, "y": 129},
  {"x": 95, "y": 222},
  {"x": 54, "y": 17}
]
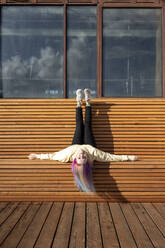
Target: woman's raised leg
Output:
[
  {"x": 88, "y": 133},
  {"x": 78, "y": 137}
]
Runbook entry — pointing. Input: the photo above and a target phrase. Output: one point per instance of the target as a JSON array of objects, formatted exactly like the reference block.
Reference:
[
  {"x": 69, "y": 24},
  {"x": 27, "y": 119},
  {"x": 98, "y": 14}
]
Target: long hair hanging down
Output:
[{"x": 86, "y": 184}]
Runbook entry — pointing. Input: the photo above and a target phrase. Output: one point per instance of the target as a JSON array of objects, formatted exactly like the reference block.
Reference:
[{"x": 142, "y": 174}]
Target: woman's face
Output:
[{"x": 81, "y": 157}]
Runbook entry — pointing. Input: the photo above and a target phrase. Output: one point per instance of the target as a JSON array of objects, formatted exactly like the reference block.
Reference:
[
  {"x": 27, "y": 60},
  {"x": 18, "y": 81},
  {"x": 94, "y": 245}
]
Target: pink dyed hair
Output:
[{"x": 87, "y": 185}]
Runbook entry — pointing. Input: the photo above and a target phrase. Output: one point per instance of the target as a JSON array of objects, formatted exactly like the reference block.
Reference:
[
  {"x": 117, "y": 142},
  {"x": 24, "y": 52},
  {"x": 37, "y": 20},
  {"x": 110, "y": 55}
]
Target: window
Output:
[
  {"x": 81, "y": 49},
  {"x": 113, "y": 47},
  {"x": 132, "y": 55},
  {"x": 32, "y": 51}
]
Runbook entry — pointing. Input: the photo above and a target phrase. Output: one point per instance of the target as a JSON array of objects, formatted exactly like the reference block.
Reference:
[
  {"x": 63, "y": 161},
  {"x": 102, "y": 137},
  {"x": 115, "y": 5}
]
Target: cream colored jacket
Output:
[{"x": 69, "y": 154}]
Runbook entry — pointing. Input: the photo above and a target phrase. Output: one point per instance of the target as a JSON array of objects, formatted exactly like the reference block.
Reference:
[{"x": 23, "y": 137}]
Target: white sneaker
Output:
[
  {"x": 79, "y": 95},
  {"x": 87, "y": 94}
]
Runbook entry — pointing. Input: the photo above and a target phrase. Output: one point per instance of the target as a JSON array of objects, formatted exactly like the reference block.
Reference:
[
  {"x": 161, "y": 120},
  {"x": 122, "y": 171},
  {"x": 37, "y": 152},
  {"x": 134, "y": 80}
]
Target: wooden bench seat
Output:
[{"x": 120, "y": 126}]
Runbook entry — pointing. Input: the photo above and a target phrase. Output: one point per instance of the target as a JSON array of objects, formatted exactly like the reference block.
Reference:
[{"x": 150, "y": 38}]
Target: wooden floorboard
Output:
[
  {"x": 77, "y": 237},
  {"x": 12, "y": 220},
  {"x": 124, "y": 234},
  {"x": 82, "y": 224},
  {"x": 49, "y": 229},
  {"x": 109, "y": 235},
  {"x": 32, "y": 233},
  {"x": 21, "y": 227},
  {"x": 140, "y": 236},
  {"x": 93, "y": 234},
  {"x": 150, "y": 227}
]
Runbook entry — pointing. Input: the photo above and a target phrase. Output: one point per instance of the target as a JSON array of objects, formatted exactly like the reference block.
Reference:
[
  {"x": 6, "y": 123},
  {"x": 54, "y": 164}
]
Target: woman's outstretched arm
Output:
[
  {"x": 101, "y": 156},
  {"x": 64, "y": 155},
  {"x": 41, "y": 156}
]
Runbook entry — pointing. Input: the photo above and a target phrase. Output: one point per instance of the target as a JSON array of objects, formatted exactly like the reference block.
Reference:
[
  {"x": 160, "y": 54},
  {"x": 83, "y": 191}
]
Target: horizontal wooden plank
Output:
[
  {"x": 113, "y": 186},
  {"x": 59, "y": 184},
  {"x": 68, "y": 176},
  {"x": 95, "y": 106},
  {"x": 53, "y": 124},
  {"x": 123, "y": 164},
  {"x": 57, "y": 133},
  {"x": 64, "y": 171},
  {"x": 65, "y": 140},
  {"x": 97, "y": 119},
  {"x": 109, "y": 147},
  {"x": 52, "y": 113},
  {"x": 140, "y": 156},
  {"x": 49, "y": 165},
  {"x": 96, "y": 100},
  {"x": 70, "y": 131},
  {"x": 104, "y": 178},
  {"x": 27, "y": 151},
  {"x": 63, "y": 187},
  {"x": 82, "y": 194},
  {"x": 70, "y": 187},
  {"x": 47, "y": 137},
  {"x": 99, "y": 124},
  {"x": 102, "y": 198},
  {"x": 66, "y": 188},
  {"x": 36, "y": 180}
]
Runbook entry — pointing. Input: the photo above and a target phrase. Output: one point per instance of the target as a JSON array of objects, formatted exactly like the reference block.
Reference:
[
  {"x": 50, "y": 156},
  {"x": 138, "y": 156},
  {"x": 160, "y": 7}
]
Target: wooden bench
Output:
[{"x": 120, "y": 126}]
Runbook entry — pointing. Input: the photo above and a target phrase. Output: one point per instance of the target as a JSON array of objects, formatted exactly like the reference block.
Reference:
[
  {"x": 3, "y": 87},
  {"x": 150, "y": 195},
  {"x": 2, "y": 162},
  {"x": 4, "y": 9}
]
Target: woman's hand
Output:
[
  {"x": 133, "y": 158},
  {"x": 32, "y": 156}
]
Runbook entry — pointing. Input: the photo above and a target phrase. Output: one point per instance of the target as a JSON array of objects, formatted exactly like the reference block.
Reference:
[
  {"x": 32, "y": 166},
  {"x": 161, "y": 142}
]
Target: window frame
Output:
[{"x": 100, "y": 4}]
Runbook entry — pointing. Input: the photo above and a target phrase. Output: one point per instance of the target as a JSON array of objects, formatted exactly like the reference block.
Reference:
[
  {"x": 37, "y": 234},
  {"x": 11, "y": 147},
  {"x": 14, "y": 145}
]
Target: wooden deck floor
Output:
[{"x": 82, "y": 224}]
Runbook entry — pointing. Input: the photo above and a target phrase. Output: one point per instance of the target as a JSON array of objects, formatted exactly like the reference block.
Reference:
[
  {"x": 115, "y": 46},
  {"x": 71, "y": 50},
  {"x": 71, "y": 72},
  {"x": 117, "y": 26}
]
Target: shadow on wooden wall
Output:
[{"x": 104, "y": 182}]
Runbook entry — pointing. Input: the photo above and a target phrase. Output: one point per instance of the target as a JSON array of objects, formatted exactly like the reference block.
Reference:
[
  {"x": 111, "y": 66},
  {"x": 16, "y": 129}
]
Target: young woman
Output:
[{"x": 83, "y": 150}]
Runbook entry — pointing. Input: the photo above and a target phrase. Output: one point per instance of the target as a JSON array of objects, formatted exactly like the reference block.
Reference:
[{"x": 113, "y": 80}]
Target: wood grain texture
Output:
[
  {"x": 122, "y": 126},
  {"x": 84, "y": 224}
]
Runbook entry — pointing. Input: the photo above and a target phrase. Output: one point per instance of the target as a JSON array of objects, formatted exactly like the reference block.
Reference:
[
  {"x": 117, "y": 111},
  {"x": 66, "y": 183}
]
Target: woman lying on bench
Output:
[{"x": 83, "y": 150}]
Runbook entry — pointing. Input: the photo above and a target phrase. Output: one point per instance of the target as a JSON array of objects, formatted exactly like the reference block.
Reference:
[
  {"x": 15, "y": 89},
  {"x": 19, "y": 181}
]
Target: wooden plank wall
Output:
[{"x": 121, "y": 126}]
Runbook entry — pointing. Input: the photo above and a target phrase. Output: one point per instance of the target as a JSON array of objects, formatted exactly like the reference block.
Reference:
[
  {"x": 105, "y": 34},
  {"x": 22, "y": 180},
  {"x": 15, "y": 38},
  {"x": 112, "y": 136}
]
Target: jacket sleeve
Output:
[
  {"x": 62, "y": 156},
  {"x": 49, "y": 156},
  {"x": 101, "y": 156}
]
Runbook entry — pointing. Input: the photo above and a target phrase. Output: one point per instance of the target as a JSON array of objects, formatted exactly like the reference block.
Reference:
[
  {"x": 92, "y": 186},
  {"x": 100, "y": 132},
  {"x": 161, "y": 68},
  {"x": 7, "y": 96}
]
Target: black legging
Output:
[{"x": 83, "y": 133}]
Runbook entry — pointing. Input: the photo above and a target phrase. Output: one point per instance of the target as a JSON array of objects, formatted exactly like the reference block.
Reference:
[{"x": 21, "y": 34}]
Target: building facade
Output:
[{"x": 49, "y": 48}]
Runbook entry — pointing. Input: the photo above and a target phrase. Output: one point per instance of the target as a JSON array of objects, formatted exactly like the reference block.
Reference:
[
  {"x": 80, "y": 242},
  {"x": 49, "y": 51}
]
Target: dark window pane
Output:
[
  {"x": 132, "y": 52},
  {"x": 81, "y": 49},
  {"x": 32, "y": 51}
]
